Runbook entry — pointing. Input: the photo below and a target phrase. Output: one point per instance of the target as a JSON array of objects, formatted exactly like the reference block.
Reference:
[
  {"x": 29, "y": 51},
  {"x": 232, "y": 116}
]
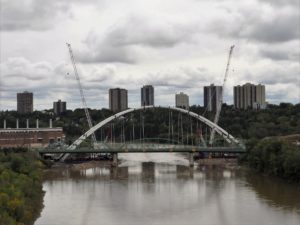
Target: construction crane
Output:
[
  {"x": 81, "y": 93},
  {"x": 219, "y": 103}
]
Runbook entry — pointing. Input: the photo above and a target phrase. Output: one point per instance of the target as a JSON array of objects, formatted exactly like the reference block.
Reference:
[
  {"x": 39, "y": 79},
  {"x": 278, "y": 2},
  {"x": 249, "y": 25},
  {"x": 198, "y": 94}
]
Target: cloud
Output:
[
  {"x": 35, "y": 15},
  {"x": 261, "y": 23},
  {"x": 180, "y": 78},
  {"x": 274, "y": 73},
  {"x": 130, "y": 36},
  {"x": 21, "y": 68},
  {"x": 152, "y": 30},
  {"x": 281, "y": 3},
  {"x": 104, "y": 53},
  {"x": 279, "y": 55},
  {"x": 30, "y": 14},
  {"x": 282, "y": 28},
  {"x": 154, "y": 42}
]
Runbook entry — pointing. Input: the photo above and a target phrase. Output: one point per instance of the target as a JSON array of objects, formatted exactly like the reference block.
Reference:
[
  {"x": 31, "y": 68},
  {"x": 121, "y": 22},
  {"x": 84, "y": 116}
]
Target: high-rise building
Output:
[
  {"x": 25, "y": 102},
  {"x": 59, "y": 107},
  {"x": 249, "y": 96},
  {"x": 182, "y": 100},
  {"x": 212, "y": 97},
  {"x": 118, "y": 99},
  {"x": 147, "y": 95}
]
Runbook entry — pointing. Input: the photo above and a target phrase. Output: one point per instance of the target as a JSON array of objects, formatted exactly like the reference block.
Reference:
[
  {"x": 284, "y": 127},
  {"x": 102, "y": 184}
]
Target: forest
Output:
[
  {"x": 275, "y": 157},
  {"x": 21, "y": 193}
]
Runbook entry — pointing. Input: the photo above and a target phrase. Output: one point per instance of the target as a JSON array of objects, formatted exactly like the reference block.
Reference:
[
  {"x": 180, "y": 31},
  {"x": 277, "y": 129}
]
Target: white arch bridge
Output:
[{"x": 234, "y": 145}]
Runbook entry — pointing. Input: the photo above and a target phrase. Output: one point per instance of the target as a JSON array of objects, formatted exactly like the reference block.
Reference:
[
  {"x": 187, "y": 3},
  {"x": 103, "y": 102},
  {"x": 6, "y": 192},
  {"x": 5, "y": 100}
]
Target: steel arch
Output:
[{"x": 229, "y": 138}]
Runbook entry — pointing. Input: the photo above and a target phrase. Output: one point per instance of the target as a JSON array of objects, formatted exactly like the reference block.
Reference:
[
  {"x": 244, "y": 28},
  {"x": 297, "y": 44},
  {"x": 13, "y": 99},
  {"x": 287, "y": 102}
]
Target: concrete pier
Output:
[
  {"x": 114, "y": 159},
  {"x": 191, "y": 159}
]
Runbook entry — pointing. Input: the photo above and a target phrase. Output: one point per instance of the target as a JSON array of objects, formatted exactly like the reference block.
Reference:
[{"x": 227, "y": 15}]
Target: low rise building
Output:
[
  {"x": 59, "y": 107},
  {"x": 30, "y": 137}
]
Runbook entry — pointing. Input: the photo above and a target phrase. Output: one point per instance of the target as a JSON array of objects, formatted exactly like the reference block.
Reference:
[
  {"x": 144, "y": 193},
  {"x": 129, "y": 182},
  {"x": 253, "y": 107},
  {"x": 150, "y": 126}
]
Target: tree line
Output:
[{"x": 282, "y": 119}]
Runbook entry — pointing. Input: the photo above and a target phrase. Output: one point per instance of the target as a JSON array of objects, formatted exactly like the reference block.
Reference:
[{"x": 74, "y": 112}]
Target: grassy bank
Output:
[
  {"x": 21, "y": 194},
  {"x": 276, "y": 157}
]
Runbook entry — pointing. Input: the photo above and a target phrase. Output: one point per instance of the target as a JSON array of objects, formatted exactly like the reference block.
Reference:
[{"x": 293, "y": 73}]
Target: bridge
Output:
[{"x": 231, "y": 145}]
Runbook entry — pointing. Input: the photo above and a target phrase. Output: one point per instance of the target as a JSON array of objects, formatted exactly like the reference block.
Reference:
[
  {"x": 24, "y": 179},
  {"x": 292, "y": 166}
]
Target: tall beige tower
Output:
[
  {"x": 182, "y": 100},
  {"x": 249, "y": 96}
]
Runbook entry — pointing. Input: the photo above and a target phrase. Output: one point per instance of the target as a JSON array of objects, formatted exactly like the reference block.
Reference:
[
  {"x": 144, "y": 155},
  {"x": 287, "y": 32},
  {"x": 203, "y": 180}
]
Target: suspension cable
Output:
[
  {"x": 133, "y": 132},
  {"x": 181, "y": 125},
  {"x": 169, "y": 124},
  {"x": 191, "y": 131},
  {"x": 178, "y": 127},
  {"x": 172, "y": 126}
]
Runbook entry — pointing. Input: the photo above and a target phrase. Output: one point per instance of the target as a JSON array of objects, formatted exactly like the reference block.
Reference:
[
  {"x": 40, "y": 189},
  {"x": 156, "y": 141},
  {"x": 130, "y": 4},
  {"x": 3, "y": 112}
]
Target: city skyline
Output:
[
  {"x": 114, "y": 103},
  {"x": 115, "y": 45}
]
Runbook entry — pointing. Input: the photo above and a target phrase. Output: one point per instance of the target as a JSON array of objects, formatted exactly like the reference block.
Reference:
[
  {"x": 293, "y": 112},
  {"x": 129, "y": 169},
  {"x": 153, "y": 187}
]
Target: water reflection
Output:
[
  {"x": 145, "y": 190},
  {"x": 275, "y": 192}
]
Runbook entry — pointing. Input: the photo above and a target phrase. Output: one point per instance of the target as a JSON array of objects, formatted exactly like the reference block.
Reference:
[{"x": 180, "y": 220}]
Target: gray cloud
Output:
[
  {"x": 149, "y": 31},
  {"x": 30, "y": 15},
  {"x": 280, "y": 29},
  {"x": 181, "y": 78},
  {"x": 279, "y": 55},
  {"x": 258, "y": 23},
  {"x": 271, "y": 74},
  {"x": 159, "y": 43},
  {"x": 122, "y": 42},
  {"x": 104, "y": 53},
  {"x": 34, "y": 14},
  {"x": 282, "y": 2}
]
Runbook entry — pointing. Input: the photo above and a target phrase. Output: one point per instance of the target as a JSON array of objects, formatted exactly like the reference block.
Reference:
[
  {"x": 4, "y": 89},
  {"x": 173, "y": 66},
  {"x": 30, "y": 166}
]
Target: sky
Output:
[{"x": 175, "y": 45}]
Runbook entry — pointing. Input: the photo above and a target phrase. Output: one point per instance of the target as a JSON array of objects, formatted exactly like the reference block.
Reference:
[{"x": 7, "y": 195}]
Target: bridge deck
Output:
[{"x": 148, "y": 149}]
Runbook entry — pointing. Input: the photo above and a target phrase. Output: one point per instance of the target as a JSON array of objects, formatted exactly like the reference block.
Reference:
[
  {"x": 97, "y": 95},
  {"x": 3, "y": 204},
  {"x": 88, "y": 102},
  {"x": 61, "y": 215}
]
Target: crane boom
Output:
[
  {"x": 81, "y": 92},
  {"x": 219, "y": 104}
]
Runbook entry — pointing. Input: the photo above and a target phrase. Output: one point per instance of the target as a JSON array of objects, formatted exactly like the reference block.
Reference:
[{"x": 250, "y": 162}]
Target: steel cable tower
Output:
[
  {"x": 219, "y": 104},
  {"x": 81, "y": 93}
]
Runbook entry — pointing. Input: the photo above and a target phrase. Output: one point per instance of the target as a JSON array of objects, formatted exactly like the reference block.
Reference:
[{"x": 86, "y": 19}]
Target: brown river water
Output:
[{"x": 162, "y": 189}]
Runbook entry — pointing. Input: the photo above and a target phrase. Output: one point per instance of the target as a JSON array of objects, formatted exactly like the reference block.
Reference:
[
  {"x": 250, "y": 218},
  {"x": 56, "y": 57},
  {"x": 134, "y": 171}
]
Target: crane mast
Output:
[
  {"x": 81, "y": 92},
  {"x": 219, "y": 104}
]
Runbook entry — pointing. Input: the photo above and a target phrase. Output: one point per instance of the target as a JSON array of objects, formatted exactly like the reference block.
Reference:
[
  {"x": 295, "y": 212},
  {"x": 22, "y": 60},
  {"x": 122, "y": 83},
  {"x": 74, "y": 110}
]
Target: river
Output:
[{"x": 162, "y": 189}]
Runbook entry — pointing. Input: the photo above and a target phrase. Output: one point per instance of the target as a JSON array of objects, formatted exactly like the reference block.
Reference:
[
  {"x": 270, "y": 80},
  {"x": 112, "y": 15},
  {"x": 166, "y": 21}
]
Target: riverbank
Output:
[
  {"x": 21, "y": 194},
  {"x": 275, "y": 157}
]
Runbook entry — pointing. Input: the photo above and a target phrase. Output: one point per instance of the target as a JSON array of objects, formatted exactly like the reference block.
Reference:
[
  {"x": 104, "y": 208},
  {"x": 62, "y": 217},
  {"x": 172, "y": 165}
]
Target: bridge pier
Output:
[
  {"x": 191, "y": 159},
  {"x": 114, "y": 159}
]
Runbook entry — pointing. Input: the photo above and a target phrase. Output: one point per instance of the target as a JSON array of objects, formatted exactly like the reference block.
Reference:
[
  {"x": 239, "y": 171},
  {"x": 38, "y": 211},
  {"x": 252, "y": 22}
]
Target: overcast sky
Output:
[{"x": 175, "y": 45}]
